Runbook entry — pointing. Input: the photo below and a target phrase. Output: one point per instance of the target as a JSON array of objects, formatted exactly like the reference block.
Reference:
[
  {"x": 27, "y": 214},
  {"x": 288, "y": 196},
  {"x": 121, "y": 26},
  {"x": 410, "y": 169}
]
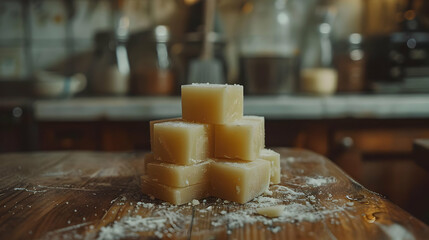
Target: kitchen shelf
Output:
[{"x": 272, "y": 107}]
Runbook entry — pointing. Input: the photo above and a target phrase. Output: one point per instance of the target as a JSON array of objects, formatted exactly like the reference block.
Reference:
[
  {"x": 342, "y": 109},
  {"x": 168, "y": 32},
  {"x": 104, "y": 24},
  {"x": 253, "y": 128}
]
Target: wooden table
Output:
[{"x": 94, "y": 195}]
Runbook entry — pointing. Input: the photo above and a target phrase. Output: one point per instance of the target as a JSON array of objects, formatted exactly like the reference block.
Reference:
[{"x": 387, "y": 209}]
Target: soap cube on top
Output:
[
  {"x": 212, "y": 103},
  {"x": 182, "y": 143},
  {"x": 239, "y": 181},
  {"x": 274, "y": 159},
  {"x": 242, "y": 139},
  {"x": 174, "y": 195},
  {"x": 174, "y": 175}
]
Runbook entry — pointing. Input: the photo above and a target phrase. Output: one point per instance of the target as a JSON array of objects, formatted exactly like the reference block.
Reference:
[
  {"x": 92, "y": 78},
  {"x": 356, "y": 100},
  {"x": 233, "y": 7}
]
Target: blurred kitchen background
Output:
[{"x": 348, "y": 79}]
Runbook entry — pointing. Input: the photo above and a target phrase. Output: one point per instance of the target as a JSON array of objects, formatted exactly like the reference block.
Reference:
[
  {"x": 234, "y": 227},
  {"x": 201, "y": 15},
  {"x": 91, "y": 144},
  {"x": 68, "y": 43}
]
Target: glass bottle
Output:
[
  {"x": 112, "y": 69},
  {"x": 350, "y": 63},
  {"x": 318, "y": 75}
]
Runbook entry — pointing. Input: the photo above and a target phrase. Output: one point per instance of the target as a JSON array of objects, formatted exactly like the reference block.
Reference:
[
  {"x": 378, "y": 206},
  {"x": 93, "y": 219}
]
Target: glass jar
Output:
[
  {"x": 111, "y": 68},
  {"x": 152, "y": 68},
  {"x": 269, "y": 46}
]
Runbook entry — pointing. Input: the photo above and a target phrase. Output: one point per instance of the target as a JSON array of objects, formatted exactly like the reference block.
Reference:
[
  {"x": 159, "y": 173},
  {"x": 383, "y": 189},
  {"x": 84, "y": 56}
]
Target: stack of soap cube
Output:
[{"x": 213, "y": 150}]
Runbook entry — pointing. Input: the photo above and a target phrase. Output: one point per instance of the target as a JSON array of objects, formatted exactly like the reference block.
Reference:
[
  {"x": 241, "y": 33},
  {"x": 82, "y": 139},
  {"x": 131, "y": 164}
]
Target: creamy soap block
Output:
[
  {"x": 151, "y": 123},
  {"x": 274, "y": 159},
  {"x": 212, "y": 103},
  {"x": 261, "y": 127},
  {"x": 177, "y": 175},
  {"x": 148, "y": 158},
  {"x": 182, "y": 143},
  {"x": 174, "y": 195},
  {"x": 239, "y": 181},
  {"x": 242, "y": 139}
]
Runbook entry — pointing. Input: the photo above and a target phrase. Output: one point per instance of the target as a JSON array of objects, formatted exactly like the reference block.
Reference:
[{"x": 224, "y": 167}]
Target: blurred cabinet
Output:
[
  {"x": 100, "y": 136},
  {"x": 125, "y": 136},
  {"x": 16, "y": 127},
  {"x": 69, "y": 136}
]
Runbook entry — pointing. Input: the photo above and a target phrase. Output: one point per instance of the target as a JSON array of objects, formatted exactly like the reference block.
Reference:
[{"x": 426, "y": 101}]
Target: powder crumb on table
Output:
[{"x": 271, "y": 211}]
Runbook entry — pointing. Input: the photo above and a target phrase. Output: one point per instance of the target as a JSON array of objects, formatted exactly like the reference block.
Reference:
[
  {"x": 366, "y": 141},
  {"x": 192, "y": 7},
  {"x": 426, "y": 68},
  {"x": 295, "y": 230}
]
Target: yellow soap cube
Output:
[
  {"x": 148, "y": 158},
  {"x": 274, "y": 159},
  {"x": 151, "y": 123},
  {"x": 174, "y": 195},
  {"x": 239, "y": 181},
  {"x": 212, "y": 103},
  {"x": 182, "y": 143},
  {"x": 174, "y": 175},
  {"x": 261, "y": 127},
  {"x": 241, "y": 139}
]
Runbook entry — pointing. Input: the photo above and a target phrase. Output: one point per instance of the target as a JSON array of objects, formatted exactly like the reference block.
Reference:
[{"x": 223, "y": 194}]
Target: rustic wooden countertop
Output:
[{"x": 95, "y": 195}]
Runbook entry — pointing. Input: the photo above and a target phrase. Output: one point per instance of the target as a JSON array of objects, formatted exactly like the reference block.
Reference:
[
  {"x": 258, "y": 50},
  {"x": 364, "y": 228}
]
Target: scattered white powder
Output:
[
  {"x": 128, "y": 227},
  {"x": 396, "y": 232},
  {"x": 276, "y": 229},
  {"x": 297, "y": 208},
  {"x": 272, "y": 212},
  {"x": 165, "y": 220},
  {"x": 114, "y": 200},
  {"x": 34, "y": 190},
  {"x": 288, "y": 193},
  {"x": 268, "y": 192},
  {"x": 262, "y": 201},
  {"x": 145, "y": 205},
  {"x": 319, "y": 181}
]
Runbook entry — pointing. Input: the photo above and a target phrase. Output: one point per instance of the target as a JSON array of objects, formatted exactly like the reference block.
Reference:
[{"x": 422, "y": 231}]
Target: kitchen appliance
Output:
[{"x": 399, "y": 62}]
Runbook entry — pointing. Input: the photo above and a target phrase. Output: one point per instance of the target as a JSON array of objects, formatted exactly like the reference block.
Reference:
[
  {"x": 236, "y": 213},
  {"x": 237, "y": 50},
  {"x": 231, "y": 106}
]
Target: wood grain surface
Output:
[{"x": 96, "y": 195}]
